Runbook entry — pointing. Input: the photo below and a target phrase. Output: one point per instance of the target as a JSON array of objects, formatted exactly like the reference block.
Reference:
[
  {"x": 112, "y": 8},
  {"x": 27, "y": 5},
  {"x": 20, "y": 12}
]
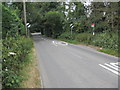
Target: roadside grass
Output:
[
  {"x": 69, "y": 41},
  {"x": 109, "y": 51},
  {"x": 104, "y": 50},
  {"x": 30, "y": 72}
]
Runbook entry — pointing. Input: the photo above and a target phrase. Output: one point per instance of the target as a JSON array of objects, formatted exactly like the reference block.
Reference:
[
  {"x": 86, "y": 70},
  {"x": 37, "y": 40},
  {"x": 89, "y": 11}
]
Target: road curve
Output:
[{"x": 65, "y": 65}]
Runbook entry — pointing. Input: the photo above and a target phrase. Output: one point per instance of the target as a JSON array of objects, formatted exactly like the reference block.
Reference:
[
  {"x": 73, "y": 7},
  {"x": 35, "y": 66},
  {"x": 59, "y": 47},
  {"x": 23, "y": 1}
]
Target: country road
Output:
[{"x": 64, "y": 65}]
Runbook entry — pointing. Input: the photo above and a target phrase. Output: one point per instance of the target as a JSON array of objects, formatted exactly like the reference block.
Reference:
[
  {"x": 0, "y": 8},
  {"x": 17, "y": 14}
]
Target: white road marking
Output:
[
  {"x": 115, "y": 72},
  {"x": 110, "y": 68},
  {"x": 113, "y": 64},
  {"x": 56, "y": 43}
]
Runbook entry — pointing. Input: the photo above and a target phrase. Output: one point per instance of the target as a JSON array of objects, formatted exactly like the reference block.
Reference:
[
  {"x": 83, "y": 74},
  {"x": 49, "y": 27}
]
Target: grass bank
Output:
[
  {"x": 104, "y": 50},
  {"x": 30, "y": 72}
]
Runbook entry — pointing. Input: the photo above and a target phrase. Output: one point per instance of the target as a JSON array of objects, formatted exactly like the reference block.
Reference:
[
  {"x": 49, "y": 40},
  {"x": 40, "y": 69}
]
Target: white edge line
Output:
[
  {"x": 41, "y": 82},
  {"x": 115, "y": 72}
]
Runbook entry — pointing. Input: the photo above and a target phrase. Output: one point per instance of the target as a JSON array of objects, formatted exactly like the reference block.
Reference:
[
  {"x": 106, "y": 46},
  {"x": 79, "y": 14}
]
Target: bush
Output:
[
  {"x": 84, "y": 37},
  {"x": 11, "y": 23},
  {"x": 67, "y": 35},
  {"x": 11, "y": 79},
  {"x": 15, "y": 47},
  {"x": 14, "y": 53},
  {"x": 106, "y": 40}
]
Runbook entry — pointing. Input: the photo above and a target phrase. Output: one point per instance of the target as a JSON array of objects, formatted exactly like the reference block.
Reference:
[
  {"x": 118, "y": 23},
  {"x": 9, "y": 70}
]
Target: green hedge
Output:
[
  {"x": 14, "y": 55},
  {"x": 15, "y": 47},
  {"x": 11, "y": 23},
  {"x": 67, "y": 35},
  {"x": 84, "y": 37},
  {"x": 106, "y": 39}
]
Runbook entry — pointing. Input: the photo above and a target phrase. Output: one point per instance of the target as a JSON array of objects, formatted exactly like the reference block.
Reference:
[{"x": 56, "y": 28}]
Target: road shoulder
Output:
[{"x": 31, "y": 73}]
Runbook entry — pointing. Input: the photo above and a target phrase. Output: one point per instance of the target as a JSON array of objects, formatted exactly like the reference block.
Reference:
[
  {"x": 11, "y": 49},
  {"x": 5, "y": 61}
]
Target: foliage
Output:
[
  {"x": 85, "y": 37},
  {"x": 11, "y": 79},
  {"x": 14, "y": 55},
  {"x": 15, "y": 47},
  {"x": 105, "y": 16},
  {"x": 106, "y": 40},
  {"x": 11, "y": 23},
  {"x": 67, "y": 35},
  {"x": 36, "y": 15},
  {"x": 53, "y": 24},
  {"x": 109, "y": 51}
]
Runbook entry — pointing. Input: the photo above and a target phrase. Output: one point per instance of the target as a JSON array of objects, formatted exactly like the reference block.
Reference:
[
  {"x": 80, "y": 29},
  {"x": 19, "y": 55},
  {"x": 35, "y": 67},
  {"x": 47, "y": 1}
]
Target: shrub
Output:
[
  {"x": 14, "y": 53},
  {"x": 11, "y": 79},
  {"x": 106, "y": 40},
  {"x": 15, "y": 47},
  {"x": 11, "y": 23},
  {"x": 67, "y": 35},
  {"x": 84, "y": 37}
]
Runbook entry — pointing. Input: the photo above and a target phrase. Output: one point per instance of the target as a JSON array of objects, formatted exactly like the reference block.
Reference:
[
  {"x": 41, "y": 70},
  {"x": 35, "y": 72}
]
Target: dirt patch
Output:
[{"x": 95, "y": 47}]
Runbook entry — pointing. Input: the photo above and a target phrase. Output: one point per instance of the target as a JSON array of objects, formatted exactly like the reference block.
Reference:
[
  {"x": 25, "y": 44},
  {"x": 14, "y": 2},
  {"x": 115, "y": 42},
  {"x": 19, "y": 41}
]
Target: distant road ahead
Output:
[{"x": 65, "y": 65}]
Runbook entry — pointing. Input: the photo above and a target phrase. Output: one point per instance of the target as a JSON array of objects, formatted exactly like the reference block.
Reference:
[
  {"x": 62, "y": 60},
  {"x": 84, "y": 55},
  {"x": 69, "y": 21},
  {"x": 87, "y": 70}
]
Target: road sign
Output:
[{"x": 92, "y": 25}]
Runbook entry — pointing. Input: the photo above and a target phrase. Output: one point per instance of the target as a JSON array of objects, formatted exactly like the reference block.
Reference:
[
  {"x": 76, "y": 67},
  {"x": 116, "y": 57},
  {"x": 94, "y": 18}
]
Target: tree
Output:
[
  {"x": 105, "y": 16},
  {"x": 37, "y": 14},
  {"x": 53, "y": 23},
  {"x": 11, "y": 23}
]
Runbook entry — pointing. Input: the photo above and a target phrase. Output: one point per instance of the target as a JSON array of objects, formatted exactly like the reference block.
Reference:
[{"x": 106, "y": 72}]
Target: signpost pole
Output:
[
  {"x": 93, "y": 27},
  {"x": 93, "y": 31}
]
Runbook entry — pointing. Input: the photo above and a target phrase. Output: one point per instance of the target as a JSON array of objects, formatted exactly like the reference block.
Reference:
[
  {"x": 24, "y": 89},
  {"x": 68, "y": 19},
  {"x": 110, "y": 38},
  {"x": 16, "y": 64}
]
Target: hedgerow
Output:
[
  {"x": 11, "y": 23},
  {"x": 108, "y": 40},
  {"x": 14, "y": 52},
  {"x": 15, "y": 48}
]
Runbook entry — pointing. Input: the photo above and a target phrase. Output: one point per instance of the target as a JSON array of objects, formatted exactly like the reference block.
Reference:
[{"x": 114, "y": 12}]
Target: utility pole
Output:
[{"x": 25, "y": 20}]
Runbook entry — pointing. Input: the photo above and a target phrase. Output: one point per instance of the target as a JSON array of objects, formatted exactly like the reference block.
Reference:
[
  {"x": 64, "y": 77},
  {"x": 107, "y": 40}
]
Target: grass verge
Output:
[
  {"x": 70, "y": 41},
  {"x": 104, "y": 50},
  {"x": 109, "y": 51},
  {"x": 30, "y": 72}
]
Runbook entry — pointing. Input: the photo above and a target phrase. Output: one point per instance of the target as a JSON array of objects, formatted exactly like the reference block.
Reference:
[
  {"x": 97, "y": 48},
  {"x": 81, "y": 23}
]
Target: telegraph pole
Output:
[{"x": 25, "y": 20}]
